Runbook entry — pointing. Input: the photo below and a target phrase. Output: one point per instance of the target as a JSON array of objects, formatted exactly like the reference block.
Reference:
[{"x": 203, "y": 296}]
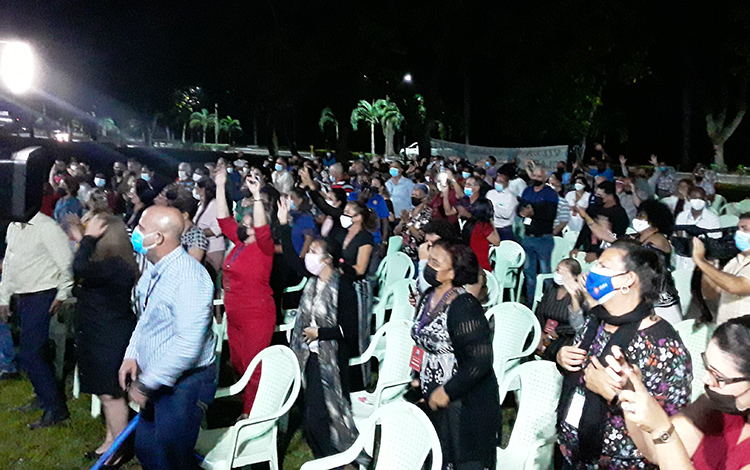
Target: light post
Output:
[{"x": 16, "y": 66}]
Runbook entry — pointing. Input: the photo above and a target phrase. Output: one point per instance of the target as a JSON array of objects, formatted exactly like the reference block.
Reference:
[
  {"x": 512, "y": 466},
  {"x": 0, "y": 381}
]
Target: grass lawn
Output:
[{"x": 62, "y": 447}]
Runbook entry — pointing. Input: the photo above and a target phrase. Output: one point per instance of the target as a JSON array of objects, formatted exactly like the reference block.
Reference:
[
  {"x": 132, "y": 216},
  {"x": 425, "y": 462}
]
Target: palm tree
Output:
[
  {"x": 367, "y": 112},
  {"x": 230, "y": 126},
  {"x": 201, "y": 119},
  {"x": 390, "y": 120},
  {"x": 326, "y": 118}
]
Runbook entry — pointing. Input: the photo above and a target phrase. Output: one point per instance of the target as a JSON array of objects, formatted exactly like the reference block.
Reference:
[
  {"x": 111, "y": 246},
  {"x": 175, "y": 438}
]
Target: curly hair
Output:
[{"x": 658, "y": 215}]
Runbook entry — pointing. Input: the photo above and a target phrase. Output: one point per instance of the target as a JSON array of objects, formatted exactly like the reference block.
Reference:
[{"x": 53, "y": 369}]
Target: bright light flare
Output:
[
  {"x": 407, "y": 78},
  {"x": 17, "y": 66}
]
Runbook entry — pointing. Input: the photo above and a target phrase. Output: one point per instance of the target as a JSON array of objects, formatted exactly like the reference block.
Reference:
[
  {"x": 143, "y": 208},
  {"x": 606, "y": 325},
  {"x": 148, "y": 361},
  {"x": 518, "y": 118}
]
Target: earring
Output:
[{"x": 625, "y": 290}]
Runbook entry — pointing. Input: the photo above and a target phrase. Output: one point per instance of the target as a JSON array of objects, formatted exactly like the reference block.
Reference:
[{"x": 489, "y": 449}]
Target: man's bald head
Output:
[{"x": 166, "y": 220}]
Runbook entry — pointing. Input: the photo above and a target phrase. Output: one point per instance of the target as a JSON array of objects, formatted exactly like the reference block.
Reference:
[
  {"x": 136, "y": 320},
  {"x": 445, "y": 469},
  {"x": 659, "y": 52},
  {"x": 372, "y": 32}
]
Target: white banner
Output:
[{"x": 546, "y": 156}]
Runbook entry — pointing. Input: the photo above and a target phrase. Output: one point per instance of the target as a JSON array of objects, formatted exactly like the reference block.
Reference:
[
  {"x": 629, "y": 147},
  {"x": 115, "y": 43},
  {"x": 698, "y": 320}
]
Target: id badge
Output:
[
  {"x": 417, "y": 354},
  {"x": 527, "y": 220},
  {"x": 575, "y": 410}
]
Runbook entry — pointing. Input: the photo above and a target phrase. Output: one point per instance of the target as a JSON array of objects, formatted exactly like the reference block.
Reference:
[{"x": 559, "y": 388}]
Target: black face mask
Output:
[
  {"x": 374, "y": 189},
  {"x": 724, "y": 403},
  {"x": 430, "y": 275},
  {"x": 598, "y": 200},
  {"x": 415, "y": 201},
  {"x": 242, "y": 233},
  {"x": 62, "y": 192},
  {"x": 537, "y": 183},
  {"x": 118, "y": 172}
]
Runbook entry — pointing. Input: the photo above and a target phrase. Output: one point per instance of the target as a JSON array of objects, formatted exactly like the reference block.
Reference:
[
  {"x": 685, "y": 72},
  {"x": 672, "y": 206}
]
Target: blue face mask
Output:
[
  {"x": 488, "y": 164},
  {"x": 279, "y": 167},
  {"x": 465, "y": 174},
  {"x": 499, "y": 187},
  {"x": 137, "y": 240},
  {"x": 468, "y": 192},
  {"x": 742, "y": 240},
  {"x": 393, "y": 172},
  {"x": 599, "y": 284},
  {"x": 291, "y": 205}
]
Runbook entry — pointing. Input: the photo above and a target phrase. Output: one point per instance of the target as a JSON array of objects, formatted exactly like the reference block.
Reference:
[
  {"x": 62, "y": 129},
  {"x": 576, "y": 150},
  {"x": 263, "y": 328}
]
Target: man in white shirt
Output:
[
  {"x": 400, "y": 189},
  {"x": 283, "y": 181},
  {"x": 696, "y": 214},
  {"x": 37, "y": 271},
  {"x": 504, "y": 203}
]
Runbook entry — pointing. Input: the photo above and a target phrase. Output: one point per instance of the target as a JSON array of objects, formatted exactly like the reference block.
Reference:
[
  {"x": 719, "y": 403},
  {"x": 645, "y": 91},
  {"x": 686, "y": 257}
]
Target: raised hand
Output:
[
  {"x": 220, "y": 174},
  {"x": 623, "y": 160},
  {"x": 283, "y": 212},
  {"x": 254, "y": 186},
  {"x": 304, "y": 175},
  {"x": 96, "y": 227},
  {"x": 653, "y": 160}
]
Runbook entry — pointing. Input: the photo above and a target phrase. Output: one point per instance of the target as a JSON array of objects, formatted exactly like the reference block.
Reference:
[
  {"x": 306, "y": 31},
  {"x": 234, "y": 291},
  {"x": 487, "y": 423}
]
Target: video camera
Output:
[{"x": 719, "y": 242}]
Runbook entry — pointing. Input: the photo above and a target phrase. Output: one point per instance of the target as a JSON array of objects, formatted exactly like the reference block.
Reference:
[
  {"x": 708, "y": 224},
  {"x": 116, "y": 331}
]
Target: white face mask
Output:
[
  {"x": 697, "y": 204},
  {"x": 580, "y": 186},
  {"x": 499, "y": 187},
  {"x": 346, "y": 221},
  {"x": 557, "y": 278},
  {"x": 99, "y": 182},
  {"x": 183, "y": 175},
  {"x": 639, "y": 225},
  {"x": 196, "y": 177},
  {"x": 195, "y": 194},
  {"x": 314, "y": 263}
]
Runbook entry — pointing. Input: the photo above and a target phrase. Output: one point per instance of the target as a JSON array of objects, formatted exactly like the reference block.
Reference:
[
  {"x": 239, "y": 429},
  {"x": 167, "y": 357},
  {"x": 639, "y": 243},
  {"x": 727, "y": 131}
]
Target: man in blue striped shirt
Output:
[{"x": 170, "y": 358}]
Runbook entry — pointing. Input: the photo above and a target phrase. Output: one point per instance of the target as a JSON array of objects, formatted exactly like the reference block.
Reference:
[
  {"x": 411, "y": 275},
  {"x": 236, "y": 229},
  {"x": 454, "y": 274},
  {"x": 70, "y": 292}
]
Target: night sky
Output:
[{"x": 283, "y": 61}]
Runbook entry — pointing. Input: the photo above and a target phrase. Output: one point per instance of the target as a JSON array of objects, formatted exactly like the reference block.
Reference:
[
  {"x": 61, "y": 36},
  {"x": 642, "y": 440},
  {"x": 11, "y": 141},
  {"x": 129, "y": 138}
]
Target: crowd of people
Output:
[{"x": 145, "y": 254}]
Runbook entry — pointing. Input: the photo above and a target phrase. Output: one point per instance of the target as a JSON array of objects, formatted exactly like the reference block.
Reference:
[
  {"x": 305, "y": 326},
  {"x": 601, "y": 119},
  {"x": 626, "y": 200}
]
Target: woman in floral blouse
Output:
[
  {"x": 412, "y": 222},
  {"x": 592, "y": 431}
]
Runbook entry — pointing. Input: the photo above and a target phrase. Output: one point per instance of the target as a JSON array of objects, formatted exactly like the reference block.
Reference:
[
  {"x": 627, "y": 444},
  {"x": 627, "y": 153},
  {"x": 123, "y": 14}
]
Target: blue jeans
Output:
[
  {"x": 538, "y": 254},
  {"x": 7, "y": 351},
  {"x": 33, "y": 352},
  {"x": 168, "y": 430},
  {"x": 506, "y": 233}
]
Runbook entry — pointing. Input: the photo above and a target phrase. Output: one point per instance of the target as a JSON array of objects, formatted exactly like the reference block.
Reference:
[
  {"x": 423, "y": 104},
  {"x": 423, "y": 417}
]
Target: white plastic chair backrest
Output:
[
  {"x": 541, "y": 385},
  {"x": 730, "y": 208},
  {"x": 394, "y": 267},
  {"x": 406, "y": 438},
  {"x": 279, "y": 373},
  {"x": 398, "y": 349},
  {"x": 401, "y": 309},
  {"x": 539, "y": 289},
  {"x": 581, "y": 258},
  {"x": 695, "y": 340},
  {"x": 494, "y": 294},
  {"x": 513, "y": 324},
  {"x": 682, "y": 279},
  {"x": 560, "y": 251},
  {"x": 718, "y": 203},
  {"x": 571, "y": 236},
  {"x": 728, "y": 220},
  {"x": 220, "y": 332},
  {"x": 394, "y": 244},
  {"x": 506, "y": 257},
  {"x": 743, "y": 206}
]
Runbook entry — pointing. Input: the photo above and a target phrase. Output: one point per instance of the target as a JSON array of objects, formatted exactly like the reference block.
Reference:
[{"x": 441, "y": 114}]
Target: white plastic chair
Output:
[
  {"x": 508, "y": 259},
  {"x": 695, "y": 340},
  {"x": 743, "y": 206},
  {"x": 253, "y": 439},
  {"x": 394, "y": 244},
  {"x": 682, "y": 279},
  {"x": 494, "y": 294},
  {"x": 728, "y": 220},
  {"x": 539, "y": 290},
  {"x": 532, "y": 439},
  {"x": 394, "y": 267},
  {"x": 561, "y": 250},
  {"x": 394, "y": 372},
  {"x": 407, "y": 437},
  {"x": 570, "y": 235},
  {"x": 394, "y": 297},
  {"x": 718, "y": 204},
  {"x": 514, "y": 322},
  {"x": 730, "y": 208}
]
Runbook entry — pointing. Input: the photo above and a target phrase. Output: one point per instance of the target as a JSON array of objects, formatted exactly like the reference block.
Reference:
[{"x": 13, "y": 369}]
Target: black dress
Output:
[{"x": 104, "y": 321}]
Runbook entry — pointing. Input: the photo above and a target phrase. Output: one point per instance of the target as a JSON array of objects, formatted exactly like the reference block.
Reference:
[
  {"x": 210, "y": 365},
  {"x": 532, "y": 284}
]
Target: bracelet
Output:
[{"x": 257, "y": 200}]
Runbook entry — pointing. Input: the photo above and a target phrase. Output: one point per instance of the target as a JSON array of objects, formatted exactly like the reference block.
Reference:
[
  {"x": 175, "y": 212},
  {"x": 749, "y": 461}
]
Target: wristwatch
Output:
[{"x": 663, "y": 436}]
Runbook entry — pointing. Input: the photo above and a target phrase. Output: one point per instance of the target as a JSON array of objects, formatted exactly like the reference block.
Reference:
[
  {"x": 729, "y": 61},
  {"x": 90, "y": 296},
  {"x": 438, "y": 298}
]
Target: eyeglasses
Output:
[{"x": 721, "y": 381}]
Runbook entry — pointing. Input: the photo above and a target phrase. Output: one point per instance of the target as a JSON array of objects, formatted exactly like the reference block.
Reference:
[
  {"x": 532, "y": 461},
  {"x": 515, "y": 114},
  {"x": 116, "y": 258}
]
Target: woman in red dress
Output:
[{"x": 248, "y": 298}]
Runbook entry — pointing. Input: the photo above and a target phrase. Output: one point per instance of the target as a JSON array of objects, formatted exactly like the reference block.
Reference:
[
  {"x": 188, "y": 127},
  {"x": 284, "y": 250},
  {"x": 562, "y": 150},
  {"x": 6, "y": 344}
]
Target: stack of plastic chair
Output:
[
  {"x": 253, "y": 439},
  {"x": 532, "y": 439},
  {"x": 393, "y": 268},
  {"x": 728, "y": 220},
  {"x": 508, "y": 259},
  {"x": 406, "y": 438},
  {"x": 695, "y": 340},
  {"x": 514, "y": 323},
  {"x": 394, "y": 373}
]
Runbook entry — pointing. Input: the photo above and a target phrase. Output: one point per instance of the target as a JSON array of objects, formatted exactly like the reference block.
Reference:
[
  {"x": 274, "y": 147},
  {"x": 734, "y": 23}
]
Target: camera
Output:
[{"x": 719, "y": 242}]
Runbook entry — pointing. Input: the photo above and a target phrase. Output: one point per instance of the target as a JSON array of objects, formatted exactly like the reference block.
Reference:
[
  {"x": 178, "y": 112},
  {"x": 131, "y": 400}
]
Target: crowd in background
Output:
[{"x": 123, "y": 242}]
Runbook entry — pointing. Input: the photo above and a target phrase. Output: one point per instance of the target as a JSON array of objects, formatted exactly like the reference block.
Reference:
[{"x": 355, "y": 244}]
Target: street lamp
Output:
[
  {"x": 16, "y": 66},
  {"x": 407, "y": 78}
]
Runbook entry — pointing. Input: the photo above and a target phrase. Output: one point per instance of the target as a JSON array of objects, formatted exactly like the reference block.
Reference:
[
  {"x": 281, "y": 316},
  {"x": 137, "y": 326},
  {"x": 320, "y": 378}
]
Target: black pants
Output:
[{"x": 316, "y": 419}]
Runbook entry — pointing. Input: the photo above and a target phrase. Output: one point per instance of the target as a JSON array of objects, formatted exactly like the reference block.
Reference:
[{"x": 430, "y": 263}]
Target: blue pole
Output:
[{"x": 117, "y": 443}]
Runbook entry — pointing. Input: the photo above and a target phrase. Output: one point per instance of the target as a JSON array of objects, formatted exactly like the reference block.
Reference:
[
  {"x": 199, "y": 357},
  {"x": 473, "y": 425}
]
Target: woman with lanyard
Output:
[
  {"x": 652, "y": 222},
  {"x": 248, "y": 298},
  {"x": 452, "y": 360},
  {"x": 592, "y": 432}
]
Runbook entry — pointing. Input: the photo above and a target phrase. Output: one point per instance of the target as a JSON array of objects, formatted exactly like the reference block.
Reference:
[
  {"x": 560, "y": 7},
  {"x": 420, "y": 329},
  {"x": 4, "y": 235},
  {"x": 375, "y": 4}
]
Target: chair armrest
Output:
[
  {"x": 379, "y": 393},
  {"x": 338, "y": 460},
  {"x": 370, "y": 351},
  {"x": 297, "y": 288}
]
